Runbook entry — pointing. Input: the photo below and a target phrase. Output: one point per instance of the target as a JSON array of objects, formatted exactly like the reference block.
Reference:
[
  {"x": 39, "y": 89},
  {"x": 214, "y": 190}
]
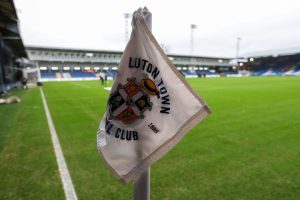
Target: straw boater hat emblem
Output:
[{"x": 130, "y": 101}]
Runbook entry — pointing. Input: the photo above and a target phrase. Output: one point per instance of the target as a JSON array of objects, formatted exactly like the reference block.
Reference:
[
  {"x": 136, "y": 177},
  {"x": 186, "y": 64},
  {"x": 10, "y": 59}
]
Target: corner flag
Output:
[{"x": 150, "y": 107}]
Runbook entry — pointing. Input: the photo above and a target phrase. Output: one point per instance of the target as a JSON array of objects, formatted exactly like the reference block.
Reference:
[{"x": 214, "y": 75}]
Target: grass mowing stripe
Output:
[{"x": 63, "y": 169}]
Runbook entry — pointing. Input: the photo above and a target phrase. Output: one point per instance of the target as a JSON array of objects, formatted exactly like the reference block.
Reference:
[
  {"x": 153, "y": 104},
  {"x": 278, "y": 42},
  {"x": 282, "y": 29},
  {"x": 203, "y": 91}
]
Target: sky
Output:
[{"x": 100, "y": 24}]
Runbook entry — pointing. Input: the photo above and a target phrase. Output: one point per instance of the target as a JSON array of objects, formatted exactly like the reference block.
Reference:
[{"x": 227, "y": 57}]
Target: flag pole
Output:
[{"x": 142, "y": 184}]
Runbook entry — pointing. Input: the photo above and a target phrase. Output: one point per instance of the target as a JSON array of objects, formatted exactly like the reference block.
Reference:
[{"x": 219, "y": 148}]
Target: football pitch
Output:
[{"x": 248, "y": 148}]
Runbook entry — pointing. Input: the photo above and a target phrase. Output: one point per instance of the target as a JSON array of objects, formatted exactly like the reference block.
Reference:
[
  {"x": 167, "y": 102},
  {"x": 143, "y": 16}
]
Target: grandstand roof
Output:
[
  {"x": 62, "y": 49},
  {"x": 113, "y": 52},
  {"x": 9, "y": 28},
  {"x": 274, "y": 52},
  {"x": 56, "y": 54}
]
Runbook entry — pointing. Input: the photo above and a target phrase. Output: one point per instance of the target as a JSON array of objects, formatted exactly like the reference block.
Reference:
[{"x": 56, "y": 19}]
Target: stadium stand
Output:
[
  {"x": 112, "y": 73},
  {"x": 280, "y": 62},
  {"x": 48, "y": 74},
  {"x": 82, "y": 64},
  {"x": 58, "y": 75},
  {"x": 13, "y": 57},
  {"x": 189, "y": 73},
  {"x": 79, "y": 74},
  {"x": 284, "y": 64}
]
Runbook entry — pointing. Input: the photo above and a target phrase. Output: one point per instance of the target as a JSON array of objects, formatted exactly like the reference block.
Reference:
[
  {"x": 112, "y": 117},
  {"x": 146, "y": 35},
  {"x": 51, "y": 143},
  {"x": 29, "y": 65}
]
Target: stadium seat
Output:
[{"x": 48, "y": 74}]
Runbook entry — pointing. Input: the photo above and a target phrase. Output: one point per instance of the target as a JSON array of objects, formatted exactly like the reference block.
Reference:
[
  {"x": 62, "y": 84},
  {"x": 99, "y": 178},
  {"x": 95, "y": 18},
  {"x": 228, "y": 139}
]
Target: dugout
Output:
[{"x": 13, "y": 56}]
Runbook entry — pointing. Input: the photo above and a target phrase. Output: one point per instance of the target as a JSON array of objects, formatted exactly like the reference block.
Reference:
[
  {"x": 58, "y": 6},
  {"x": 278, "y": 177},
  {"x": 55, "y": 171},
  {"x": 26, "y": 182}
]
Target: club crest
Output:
[{"x": 129, "y": 101}]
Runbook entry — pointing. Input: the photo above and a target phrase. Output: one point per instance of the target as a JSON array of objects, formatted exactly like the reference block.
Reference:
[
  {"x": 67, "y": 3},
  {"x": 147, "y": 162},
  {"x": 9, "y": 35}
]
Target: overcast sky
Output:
[{"x": 100, "y": 24}]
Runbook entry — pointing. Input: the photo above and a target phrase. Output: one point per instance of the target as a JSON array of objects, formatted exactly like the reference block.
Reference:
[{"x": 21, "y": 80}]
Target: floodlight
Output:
[
  {"x": 89, "y": 54},
  {"x": 43, "y": 68}
]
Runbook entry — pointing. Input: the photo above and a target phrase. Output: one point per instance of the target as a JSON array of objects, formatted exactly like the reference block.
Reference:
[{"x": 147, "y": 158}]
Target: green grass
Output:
[
  {"x": 248, "y": 148},
  {"x": 28, "y": 167}
]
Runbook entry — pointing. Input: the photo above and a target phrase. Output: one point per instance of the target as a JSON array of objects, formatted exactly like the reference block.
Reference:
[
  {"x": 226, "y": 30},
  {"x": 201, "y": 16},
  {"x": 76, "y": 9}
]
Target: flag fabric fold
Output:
[{"x": 150, "y": 106}]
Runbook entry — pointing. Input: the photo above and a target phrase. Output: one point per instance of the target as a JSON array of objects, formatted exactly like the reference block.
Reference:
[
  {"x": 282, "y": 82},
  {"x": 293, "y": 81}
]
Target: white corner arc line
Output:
[{"x": 62, "y": 165}]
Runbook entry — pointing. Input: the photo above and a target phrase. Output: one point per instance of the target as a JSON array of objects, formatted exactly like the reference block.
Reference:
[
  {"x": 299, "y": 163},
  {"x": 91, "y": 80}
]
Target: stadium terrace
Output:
[{"x": 81, "y": 64}]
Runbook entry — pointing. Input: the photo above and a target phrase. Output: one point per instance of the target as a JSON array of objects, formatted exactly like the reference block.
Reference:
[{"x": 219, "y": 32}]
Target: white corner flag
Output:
[{"x": 150, "y": 107}]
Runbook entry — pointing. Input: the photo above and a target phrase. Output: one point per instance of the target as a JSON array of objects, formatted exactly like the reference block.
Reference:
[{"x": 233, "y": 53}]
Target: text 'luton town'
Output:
[{"x": 145, "y": 65}]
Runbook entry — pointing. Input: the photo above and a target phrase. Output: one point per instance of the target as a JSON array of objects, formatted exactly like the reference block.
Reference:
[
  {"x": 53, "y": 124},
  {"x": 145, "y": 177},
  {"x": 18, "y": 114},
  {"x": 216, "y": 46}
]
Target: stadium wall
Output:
[{"x": 12, "y": 50}]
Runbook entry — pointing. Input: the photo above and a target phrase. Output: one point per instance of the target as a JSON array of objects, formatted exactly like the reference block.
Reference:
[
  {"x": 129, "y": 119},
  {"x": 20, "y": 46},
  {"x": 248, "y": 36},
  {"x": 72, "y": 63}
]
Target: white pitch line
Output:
[
  {"x": 107, "y": 88},
  {"x": 62, "y": 165}
]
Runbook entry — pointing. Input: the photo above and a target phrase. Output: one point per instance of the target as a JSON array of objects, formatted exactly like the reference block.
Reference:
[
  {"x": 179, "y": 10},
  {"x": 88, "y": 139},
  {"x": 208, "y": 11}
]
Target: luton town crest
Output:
[{"x": 130, "y": 101}]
